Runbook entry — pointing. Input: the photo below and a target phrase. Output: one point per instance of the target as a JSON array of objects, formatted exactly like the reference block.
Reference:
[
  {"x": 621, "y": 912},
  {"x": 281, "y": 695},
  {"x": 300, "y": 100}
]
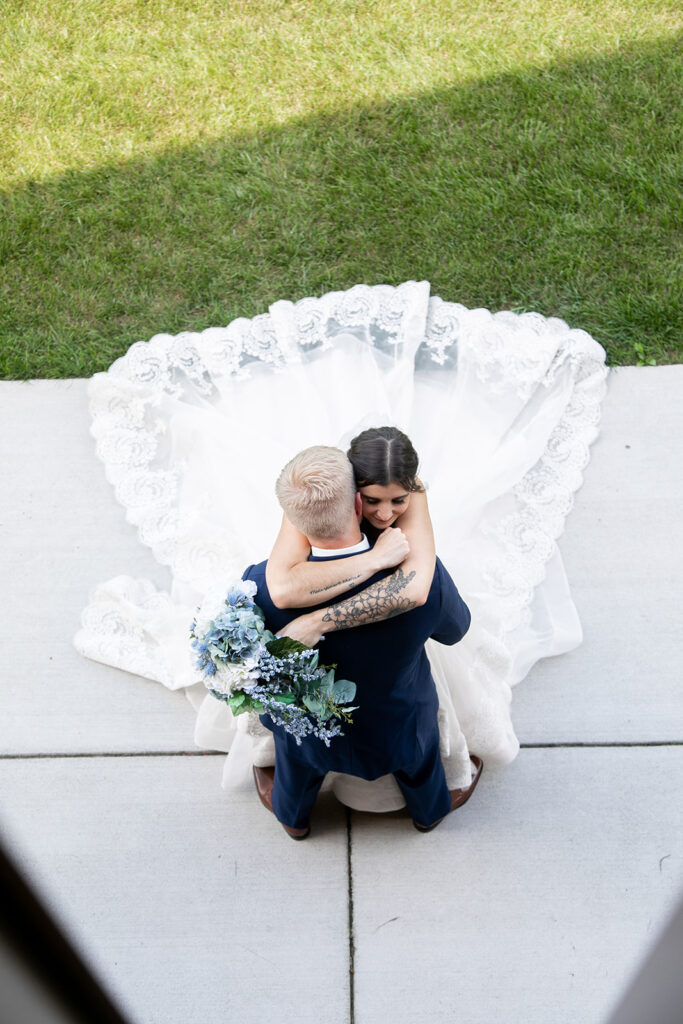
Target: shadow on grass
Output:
[{"x": 549, "y": 189}]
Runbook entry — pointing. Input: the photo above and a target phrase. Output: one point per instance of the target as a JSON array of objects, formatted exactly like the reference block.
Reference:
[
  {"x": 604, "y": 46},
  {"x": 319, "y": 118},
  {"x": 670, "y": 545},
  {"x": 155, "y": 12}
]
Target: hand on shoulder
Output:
[{"x": 391, "y": 548}]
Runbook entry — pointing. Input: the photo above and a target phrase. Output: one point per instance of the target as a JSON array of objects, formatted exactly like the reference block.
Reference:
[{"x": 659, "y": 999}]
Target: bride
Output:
[{"x": 193, "y": 430}]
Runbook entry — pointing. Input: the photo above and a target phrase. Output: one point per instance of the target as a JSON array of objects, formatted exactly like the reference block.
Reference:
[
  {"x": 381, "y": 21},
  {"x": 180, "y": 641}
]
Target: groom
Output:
[{"x": 395, "y": 729}]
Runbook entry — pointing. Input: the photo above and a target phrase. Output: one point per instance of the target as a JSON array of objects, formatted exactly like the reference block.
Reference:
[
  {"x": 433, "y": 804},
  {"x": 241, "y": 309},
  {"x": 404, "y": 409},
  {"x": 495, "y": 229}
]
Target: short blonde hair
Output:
[{"x": 316, "y": 490}]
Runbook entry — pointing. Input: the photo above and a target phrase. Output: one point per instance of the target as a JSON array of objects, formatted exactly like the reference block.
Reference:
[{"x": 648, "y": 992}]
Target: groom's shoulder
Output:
[
  {"x": 256, "y": 572},
  {"x": 442, "y": 582},
  {"x": 441, "y": 575}
]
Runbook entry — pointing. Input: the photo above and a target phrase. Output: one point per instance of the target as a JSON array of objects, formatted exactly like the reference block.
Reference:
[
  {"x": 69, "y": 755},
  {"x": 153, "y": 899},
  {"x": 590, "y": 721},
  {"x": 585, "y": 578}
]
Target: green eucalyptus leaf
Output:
[
  {"x": 326, "y": 684},
  {"x": 343, "y": 691},
  {"x": 241, "y": 709},
  {"x": 283, "y": 645},
  {"x": 314, "y": 705}
]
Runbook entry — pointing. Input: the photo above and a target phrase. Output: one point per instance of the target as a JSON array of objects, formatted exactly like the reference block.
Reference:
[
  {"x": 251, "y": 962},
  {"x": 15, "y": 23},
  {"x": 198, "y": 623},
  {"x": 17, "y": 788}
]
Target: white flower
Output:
[
  {"x": 214, "y": 602},
  {"x": 247, "y": 587},
  {"x": 229, "y": 678}
]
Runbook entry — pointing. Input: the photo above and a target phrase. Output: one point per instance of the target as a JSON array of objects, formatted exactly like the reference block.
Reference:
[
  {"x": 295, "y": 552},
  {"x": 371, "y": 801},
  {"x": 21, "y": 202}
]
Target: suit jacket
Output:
[{"x": 396, "y": 720}]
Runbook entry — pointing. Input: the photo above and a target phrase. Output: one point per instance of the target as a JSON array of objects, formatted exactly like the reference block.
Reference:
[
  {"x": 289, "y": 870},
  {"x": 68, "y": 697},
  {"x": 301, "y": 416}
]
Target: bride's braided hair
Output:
[{"x": 383, "y": 456}]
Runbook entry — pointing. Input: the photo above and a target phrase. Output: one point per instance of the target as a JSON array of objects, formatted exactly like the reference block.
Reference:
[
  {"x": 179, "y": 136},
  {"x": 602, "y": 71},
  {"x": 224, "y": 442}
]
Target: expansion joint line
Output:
[
  {"x": 597, "y": 744},
  {"x": 352, "y": 945},
  {"x": 55, "y": 754}
]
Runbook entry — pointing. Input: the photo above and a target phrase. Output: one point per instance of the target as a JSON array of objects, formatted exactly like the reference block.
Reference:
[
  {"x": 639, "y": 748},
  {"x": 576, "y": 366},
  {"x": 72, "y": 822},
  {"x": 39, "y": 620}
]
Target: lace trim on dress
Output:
[{"x": 530, "y": 354}]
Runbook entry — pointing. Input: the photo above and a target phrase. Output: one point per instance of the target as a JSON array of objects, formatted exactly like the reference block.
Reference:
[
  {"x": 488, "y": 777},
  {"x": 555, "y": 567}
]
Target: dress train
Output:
[{"x": 502, "y": 408}]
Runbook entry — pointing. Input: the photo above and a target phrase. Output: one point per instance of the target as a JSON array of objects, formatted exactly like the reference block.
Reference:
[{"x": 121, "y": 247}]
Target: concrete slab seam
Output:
[
  {"x": 352, "y": 943},
  {"x": 600, "y": 744},
  {"x": 55, "y": 754},
  {"x": 112, "y": 753}
]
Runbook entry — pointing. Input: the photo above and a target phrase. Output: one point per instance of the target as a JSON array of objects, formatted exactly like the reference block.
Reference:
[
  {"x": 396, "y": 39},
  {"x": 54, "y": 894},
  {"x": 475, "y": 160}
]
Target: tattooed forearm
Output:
[
  {"x": 339, "y": 583},
  {"x": 382, "y": 600}
]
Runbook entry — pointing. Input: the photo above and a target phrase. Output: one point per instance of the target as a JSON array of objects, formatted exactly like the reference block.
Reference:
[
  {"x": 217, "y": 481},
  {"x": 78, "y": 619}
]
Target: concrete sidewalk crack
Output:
[
  {"x": 114, "y": 753},
  {"x": 352, "y": 944},
  {"x": 56, "y": 754},
  {"x": 603, "y": 743}
]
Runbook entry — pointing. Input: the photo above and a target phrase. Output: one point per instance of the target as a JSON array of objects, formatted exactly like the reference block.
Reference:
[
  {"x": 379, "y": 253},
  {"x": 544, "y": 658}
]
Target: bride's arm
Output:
[
  {"x": 294, "y": 582},
  {"x": 406, "y": 588},
  {"x": 420, "y": 563}
]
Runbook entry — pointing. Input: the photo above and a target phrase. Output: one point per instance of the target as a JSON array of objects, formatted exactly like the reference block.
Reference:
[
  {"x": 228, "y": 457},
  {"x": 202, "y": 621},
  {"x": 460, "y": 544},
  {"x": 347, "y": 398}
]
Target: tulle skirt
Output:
[{"x": 193, "y": 430}]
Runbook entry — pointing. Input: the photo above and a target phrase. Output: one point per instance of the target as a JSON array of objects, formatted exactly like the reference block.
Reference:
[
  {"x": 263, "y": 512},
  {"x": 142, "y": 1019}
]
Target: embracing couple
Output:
[{"x": 340, "y": 574}]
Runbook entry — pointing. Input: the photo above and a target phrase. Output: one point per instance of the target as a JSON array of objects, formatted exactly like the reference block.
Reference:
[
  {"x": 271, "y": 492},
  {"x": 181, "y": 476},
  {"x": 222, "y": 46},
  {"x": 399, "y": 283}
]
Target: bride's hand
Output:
[
  {"x": 307, "y": 629},
  {"x": 391, "y": 547}
]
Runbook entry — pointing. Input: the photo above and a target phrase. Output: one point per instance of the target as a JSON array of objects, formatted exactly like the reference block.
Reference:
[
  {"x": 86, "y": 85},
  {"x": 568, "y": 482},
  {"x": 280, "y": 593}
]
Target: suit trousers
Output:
[{"x": 422, "y": 784}]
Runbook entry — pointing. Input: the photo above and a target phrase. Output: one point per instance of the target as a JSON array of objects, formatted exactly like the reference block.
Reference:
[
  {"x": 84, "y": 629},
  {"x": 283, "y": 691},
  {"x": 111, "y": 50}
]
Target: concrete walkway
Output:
[{"x": 531, "y": 905}]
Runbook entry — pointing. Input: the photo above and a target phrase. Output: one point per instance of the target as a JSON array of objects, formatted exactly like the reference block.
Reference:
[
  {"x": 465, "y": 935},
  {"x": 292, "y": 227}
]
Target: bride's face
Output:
[{"x": 383, "y": 505}]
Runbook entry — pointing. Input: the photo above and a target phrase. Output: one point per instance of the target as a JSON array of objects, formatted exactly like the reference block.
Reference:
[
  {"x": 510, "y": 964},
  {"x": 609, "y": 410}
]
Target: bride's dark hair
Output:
[{"x": 383, "y": 456}]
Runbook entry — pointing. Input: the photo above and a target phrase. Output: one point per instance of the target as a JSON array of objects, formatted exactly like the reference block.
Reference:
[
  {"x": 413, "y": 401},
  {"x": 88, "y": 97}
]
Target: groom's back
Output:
[{"x": 396, "y": 696}]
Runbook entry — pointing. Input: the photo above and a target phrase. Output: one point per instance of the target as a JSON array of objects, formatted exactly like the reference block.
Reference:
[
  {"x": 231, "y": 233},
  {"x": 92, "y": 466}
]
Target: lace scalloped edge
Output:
[{"x": 123, "y": 401}]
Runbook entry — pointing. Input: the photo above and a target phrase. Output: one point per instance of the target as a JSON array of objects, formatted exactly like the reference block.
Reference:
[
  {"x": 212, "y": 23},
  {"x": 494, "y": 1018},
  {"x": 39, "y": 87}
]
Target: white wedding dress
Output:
[{"x": 502, "y": 409}]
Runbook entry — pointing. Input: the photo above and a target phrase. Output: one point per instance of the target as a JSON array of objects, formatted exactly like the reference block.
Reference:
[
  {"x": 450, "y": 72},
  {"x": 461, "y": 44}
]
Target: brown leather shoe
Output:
[
  {"x": 265, "y": 780},
  {"x": 458, "y": 796}
]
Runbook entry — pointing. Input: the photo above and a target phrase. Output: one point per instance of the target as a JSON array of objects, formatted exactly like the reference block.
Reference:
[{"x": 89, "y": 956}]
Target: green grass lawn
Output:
[{"x": 173, "y": 165}]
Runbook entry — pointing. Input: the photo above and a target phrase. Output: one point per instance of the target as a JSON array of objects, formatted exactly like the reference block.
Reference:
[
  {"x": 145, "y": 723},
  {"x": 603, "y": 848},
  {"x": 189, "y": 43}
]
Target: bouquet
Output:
[{"x": 250, "y": 669}]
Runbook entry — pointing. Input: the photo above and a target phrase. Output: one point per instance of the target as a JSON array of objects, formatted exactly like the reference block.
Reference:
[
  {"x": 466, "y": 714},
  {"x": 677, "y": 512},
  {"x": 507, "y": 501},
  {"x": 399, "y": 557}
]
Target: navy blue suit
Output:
[{"x": 395, "y": 729}]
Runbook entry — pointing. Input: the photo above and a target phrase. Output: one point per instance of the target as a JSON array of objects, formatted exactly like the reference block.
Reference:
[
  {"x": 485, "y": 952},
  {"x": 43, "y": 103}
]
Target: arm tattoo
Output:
[
  {"x": 382, "y": 600},
  {"x": 339, "y": 583}
]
